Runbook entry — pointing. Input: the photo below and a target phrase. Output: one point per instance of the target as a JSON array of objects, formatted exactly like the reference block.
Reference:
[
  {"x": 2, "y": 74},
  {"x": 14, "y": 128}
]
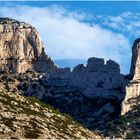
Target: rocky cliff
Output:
[
  {"x": 135, "y": 63},
  {"x": 97, "y": 78},
  {"x": 92, "y": 88},
  {"x": 133, "y": 87},
  {"x": 92, "y": 94},
  {"x": 21, "y": 48}
]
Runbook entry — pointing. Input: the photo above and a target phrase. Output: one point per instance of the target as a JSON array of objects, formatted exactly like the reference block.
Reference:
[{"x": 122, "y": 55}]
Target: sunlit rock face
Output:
[
  {"x": 21, "y": 48},
  {"x": 133, "y": 88},
  {"x": 135, "y": 64}
]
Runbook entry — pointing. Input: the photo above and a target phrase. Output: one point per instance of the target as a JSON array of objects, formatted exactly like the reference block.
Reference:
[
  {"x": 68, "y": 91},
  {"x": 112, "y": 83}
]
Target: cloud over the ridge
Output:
[
  {"x": 66, "y": 36},
  {"x": 127, "y": 23}
]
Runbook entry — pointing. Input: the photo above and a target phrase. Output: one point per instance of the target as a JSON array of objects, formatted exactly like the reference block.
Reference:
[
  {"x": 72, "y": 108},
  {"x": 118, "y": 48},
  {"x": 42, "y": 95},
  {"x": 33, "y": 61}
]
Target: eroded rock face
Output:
[
  {"x": 21, "y": 48},
  {"x": 135, "y": 63},
  {"x": 89, "y": 92},
  {"x": 97, "y": 74},
  {"x": 133, "y": 87}
]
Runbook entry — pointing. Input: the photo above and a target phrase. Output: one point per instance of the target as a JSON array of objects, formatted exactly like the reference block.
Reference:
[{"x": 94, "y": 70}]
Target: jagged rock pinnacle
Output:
[
  {"x": 133, "y": 88},
  {"x": 135, "y": 63}
]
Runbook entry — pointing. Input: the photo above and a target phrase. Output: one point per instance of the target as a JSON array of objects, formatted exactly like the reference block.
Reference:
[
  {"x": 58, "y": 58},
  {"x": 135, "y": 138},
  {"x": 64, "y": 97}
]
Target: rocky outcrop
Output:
[
  {"x": 92, "y": 88},
  {"x": 97, "y": 74},
  {"x": 132, "y": 91},
  {"x": 21, "y": 48},
  {"x": 133, "y": 87},
  {"x": 135, "y": 63},
  {"x": 92, "y": 110}
]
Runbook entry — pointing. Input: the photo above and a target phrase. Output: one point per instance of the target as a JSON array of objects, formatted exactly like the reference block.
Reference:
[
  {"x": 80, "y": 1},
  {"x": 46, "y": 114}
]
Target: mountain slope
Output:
[{"x": 26, "y": 117}]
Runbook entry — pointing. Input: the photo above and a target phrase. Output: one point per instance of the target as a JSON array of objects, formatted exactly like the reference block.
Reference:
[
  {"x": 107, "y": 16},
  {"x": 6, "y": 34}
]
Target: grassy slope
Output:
[{"x": 26, "y": 117}]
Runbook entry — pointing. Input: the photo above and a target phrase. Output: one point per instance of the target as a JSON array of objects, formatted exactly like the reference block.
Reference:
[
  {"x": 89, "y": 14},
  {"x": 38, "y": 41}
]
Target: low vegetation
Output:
[
  {"x": 127, "y": 126},
  {"x": 27, "y": 117}
]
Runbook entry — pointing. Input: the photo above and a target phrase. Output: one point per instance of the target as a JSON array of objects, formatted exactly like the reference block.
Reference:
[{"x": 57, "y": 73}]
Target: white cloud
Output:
[
  {"x": 66, "y": 36},
  {"x": 126, "y": 22}
]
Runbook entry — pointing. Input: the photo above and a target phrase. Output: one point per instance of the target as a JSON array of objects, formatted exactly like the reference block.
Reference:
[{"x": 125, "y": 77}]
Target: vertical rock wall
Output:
[
  {"x": 21, "y": 48},
  {"x": 133, "y": 88}
]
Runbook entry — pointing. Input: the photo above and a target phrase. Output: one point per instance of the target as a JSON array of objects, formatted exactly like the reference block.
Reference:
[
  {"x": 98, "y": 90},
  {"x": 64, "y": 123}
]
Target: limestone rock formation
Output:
[
  {"x": 21, "y": 48},
  {"x": 86, "y": 93},
  {"x": 97, "y": 74},
  {"x": 135, "y": 63},
  {"x": 92, "y": 94},
  {"x": 133, "y": 87}
]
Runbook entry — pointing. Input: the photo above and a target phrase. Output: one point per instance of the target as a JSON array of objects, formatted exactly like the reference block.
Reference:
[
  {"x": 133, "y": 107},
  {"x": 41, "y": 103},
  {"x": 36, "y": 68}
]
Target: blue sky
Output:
[
  {"x": 74, "y": 31},
  {"x": 94, "y": 7}
]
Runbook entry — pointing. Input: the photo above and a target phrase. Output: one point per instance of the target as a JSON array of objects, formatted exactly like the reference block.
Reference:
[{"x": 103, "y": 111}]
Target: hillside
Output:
[{"x": 26, "y": 117}]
